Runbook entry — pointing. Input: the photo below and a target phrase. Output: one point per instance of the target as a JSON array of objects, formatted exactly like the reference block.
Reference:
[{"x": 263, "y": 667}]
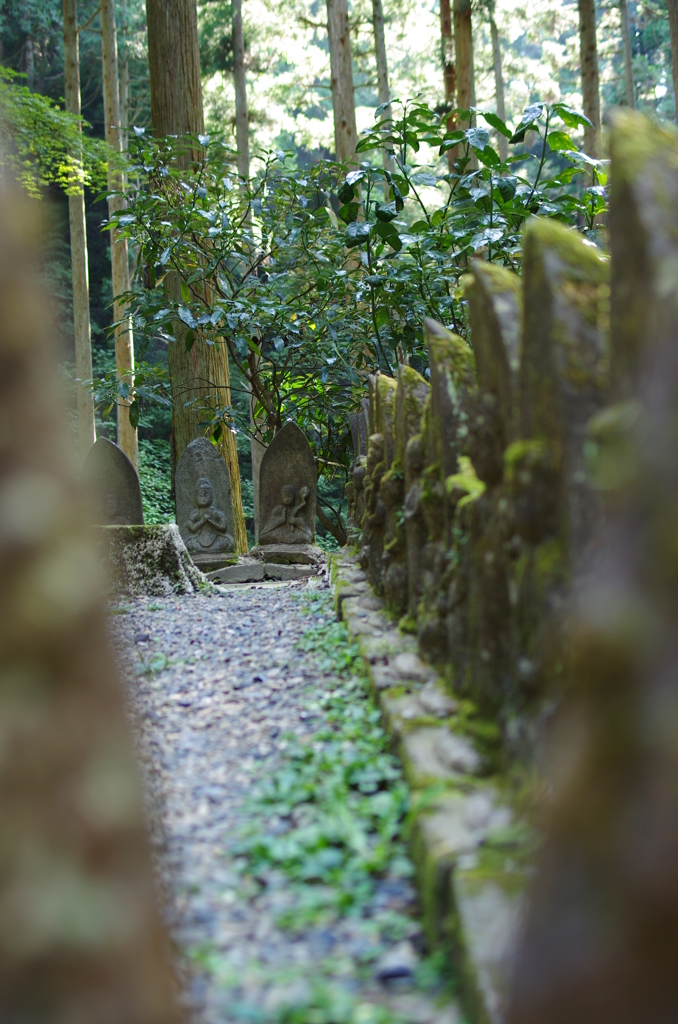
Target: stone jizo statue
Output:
[
  {"x": 285, "y": 525},
  {"x": 207, "y": 525}
]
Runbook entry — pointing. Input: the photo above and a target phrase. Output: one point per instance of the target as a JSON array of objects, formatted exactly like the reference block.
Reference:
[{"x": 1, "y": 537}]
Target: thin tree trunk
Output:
[
  {"x": 242, "y": 133},
  {"x": 449, "y": 70},
  {"x": 463, "y": 51},
  {"x": 125, "y": 97},
  {"x": 124, "y": 339},
  {"x": 29, "y": 58},
  {"x": 672, "y": 6},
  {"x": 343, "y": 99},
  {"x": 200, "y": 376},
  {"x": 79, "y": 271},
  {"x": 382, "y": 73},
  {"x": 590, "y": 85},
  {"x": 628, "y": 55},
  {"x": 498, "y": 84}
]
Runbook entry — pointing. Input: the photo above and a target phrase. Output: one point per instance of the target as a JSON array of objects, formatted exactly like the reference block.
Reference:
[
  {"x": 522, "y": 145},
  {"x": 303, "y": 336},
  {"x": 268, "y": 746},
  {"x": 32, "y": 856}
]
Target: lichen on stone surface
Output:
[{"x": 150, "y": 560}]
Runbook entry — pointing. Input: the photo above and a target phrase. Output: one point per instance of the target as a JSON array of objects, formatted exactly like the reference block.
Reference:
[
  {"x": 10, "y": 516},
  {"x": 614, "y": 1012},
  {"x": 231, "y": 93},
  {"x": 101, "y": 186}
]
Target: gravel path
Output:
[{"x": 220, "y": 692}]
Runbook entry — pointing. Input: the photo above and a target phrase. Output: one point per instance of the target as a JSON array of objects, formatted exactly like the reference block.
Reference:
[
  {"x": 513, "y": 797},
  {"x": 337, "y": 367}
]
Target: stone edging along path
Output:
[{"x": 470, "y": 849}]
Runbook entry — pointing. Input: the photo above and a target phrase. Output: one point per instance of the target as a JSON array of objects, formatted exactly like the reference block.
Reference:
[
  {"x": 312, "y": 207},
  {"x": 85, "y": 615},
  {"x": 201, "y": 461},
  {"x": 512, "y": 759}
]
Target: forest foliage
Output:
[{"x": 317, "y": 273}]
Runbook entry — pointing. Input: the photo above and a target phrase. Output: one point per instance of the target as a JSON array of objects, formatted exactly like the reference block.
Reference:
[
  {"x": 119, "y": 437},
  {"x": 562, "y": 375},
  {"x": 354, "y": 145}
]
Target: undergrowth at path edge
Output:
[{"x": 331, "y": 818}]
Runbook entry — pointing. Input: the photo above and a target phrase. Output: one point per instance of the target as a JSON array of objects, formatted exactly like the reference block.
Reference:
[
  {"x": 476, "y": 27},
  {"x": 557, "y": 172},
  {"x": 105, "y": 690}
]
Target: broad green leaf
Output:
[
  {"x": 349, "y": 212},
  {"x": 386, "y": 211},
  {"x": 477, "y": 137},
  {"x": 559, "y": 141},
  {"x": 356, "y": 234},
  {"x": 134, "y": 414},
  {"x": 186, "y": 316},
  {"x": 189, "y": 340},
  {"x": 570, "y": 116},
  {"x": 496, "y": 122},
  {"x": 346, "y": 193}
]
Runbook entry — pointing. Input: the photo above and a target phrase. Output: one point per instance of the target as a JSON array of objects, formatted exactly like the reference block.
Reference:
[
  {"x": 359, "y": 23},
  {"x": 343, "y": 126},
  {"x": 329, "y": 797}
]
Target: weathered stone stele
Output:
[
  {"x": 411, "y": 395},
  {"x": 81, "y": 935},
  {"x": 494, "y": 296},
  {"x": 600, "y": 940},
  {"x": 287, "y": 495},
  {"x": 203, "y": 503},
  {"x": 112, "y": 486}
]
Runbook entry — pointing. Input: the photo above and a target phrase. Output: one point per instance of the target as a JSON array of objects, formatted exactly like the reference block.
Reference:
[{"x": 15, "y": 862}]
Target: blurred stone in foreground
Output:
[
  {"x": 81, "y": 940},
  {"x": 600, "y": 944}
]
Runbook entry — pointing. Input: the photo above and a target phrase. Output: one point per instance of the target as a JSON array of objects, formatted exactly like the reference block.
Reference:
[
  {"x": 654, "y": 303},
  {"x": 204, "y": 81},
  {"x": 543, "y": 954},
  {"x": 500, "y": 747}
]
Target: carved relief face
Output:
[
  {"x": 204, "y": 493},
  {"x": 288, "y": 495}
]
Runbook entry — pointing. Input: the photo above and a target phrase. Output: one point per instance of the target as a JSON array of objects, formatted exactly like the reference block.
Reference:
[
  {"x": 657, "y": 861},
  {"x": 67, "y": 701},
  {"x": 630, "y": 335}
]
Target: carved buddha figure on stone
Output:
[
  {"x": 286, "y": 523},
  {"x": 207, "y": 525}
]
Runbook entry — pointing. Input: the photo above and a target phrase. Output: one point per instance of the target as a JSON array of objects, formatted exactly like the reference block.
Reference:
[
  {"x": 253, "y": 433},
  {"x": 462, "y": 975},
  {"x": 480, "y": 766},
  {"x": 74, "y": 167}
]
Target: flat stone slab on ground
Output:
[
  {"x": 303, "y": 554},
  {"x": 252, "y": 571}
]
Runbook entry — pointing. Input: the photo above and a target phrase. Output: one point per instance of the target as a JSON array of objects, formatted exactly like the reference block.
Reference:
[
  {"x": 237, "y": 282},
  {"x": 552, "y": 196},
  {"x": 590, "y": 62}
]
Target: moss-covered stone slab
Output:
[
  {"x": 471, "y": 857},
  {"x": 148, "y": 560}
]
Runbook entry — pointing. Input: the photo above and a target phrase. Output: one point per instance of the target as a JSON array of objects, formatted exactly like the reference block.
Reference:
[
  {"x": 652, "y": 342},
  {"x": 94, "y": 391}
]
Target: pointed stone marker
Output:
[
  {"x": 287, "y": 499},
  {"x": 112, "y": 485},
  {"x": 203, "y": 501}
]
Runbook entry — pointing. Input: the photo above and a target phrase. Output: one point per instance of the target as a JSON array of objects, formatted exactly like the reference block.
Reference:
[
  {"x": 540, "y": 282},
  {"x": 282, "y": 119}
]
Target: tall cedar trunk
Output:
[
  {"x": 79, "y": 270},
  {"x": 463, "y": 51},
  {"x": 449, "y": 70},
  {"x": 498, "y": 84},
  {"x": 82, "y": 939},
  {"x": 243, "y": 143},
  {"x": 240, "y": 84},
  {"x": 343, "y": 99},
  {"x": 124, "y": 339},
  {"x": 628, "y": 55},
  {"x": 672, "y": 6},
  {"x": 29, "y": 59},
  {"x": 590, "y": 85},
  {"x": 382, "y": 73},
  {"x": 200, "y": 376}
]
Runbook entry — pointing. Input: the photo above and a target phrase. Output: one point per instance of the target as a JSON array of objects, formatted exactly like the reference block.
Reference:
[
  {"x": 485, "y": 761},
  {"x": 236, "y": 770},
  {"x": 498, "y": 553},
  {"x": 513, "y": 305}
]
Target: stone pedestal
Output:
[
  {"x": 289, "y": 554},
  {"x": 148, "y": 560}
]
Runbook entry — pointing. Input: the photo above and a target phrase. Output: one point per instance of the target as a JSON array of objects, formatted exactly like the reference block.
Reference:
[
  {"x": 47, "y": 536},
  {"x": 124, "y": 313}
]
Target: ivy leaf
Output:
[
  {"x": 356, "y": 234},
  {"x": 570, "y": 116}
]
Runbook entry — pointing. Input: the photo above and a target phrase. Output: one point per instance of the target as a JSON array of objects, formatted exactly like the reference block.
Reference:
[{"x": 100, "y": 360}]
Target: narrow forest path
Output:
[{"x": 278, "y": 812}]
